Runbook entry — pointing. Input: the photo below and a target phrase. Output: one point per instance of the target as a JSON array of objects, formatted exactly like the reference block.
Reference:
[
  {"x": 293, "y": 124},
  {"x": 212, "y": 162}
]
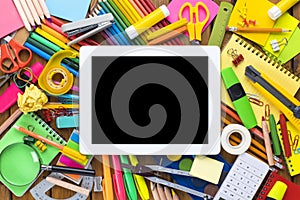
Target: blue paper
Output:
[{"x": 71, "y": 10}]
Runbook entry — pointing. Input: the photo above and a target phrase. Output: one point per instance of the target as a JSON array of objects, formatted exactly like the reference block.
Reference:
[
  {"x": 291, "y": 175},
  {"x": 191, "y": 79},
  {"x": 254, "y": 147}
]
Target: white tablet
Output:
[{"x": 150, "y": 100}]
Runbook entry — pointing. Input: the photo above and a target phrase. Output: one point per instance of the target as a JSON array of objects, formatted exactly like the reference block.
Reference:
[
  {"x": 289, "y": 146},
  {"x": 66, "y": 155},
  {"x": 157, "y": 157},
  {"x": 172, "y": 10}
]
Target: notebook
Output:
[
  {"x": 10, "y": 20},
  {"x": 35, "y": 123},
  {"x": 73, "y": 143},
  {"x": 244, "y": 179},
  {"x": 264, "y": 64},
  {"x": 286, "y": 52},
  {"x": 293, "y": 162},
  {"x": 292, "y": 192},
  {"x": 255, "y": 10}
]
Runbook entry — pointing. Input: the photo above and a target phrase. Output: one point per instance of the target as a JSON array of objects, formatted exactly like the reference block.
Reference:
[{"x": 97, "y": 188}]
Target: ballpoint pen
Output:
[
  {"x": 107, "y": 185},
  {"x": 118, "y": 179},
  {"x": 140, "y": 182},
  {"x": 128, "y": 180}
]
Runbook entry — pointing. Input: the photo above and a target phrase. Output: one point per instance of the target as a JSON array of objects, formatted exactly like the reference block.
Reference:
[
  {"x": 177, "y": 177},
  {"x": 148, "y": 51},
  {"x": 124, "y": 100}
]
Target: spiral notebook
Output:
[
  {"x": 293, "y": 162},
  {"x": 292, "y": 191},
  {"x": 264, "y": 64},
  {"x": 34, "y": 123}
]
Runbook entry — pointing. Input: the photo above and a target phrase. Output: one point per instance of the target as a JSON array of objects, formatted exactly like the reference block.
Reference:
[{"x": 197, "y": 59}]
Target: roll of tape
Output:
[{"x": 245, "y": 139}]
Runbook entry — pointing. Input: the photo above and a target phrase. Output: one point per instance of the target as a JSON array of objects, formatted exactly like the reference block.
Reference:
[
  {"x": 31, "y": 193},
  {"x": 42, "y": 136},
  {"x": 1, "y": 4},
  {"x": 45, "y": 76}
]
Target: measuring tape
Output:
[
  {"x": 39, "y": 191},
  {"x": 221, "y": 21},
  {"x": 53, "y": 68}
]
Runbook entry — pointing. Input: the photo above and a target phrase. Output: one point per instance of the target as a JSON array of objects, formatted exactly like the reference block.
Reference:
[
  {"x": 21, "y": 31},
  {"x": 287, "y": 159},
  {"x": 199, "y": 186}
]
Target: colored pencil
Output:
[
  {"x": 267, "y": 142},
  {"x": 22, "y": 15}
]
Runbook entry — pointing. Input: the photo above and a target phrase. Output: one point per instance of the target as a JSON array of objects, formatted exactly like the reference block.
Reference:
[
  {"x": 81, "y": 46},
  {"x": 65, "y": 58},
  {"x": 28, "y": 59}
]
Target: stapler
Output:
[{"x": 90, "y": 26}]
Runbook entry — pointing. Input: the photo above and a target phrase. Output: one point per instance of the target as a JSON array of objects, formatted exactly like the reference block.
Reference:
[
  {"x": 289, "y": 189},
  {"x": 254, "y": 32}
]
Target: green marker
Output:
[
  {"x": 274, "y": 135},
  {"x": 128, "y": 180},
  {"x": 238, "y": 97}
]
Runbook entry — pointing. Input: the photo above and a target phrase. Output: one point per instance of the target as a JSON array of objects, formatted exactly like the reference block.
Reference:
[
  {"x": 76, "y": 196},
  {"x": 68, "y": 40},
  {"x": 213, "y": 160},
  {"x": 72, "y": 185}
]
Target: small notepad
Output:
[
  {"x": 71, "y": 10},
  {"x": 293, "y": 162},
  {"x": 254, "y": 9},
  {"x": 40, "y": 127},
  {"x": 10, "y": 20},
  {"x": 207, "y": 169}
]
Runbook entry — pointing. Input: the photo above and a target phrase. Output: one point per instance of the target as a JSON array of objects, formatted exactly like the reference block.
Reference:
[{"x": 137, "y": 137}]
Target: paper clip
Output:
[
  {"x": 276, "y": 44},
  {"x": 295, "y": 143},
  {"x": 237, "y": 58},
  {"x": 267, "y": 111},
  {"x": 255, "y": 101}
]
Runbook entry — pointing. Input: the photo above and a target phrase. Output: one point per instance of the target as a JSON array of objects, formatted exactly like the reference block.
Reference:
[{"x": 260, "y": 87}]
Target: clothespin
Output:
[
  {"x": 93, "y": 25},
  {"x": 276, "y": 44}
]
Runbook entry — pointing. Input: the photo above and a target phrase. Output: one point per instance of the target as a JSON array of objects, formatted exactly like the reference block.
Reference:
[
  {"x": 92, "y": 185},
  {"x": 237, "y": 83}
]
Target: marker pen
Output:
[
  {"x": 147, "y": 22},
  {"x": 238, "y": 97}
]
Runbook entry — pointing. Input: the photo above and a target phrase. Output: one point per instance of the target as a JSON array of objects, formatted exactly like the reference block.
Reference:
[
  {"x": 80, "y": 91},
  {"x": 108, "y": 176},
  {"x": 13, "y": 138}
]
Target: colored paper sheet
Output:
[
  {"x": 255, "y": 10},
  {"x": 175, "y": 5},
  {"x": 292, "y": 49},
  {"x": 10, "y": 20},
  {"x": 71, "y": 10},
  {"x": 207, "y": 169},
  {"x": 288, "y": 22}
]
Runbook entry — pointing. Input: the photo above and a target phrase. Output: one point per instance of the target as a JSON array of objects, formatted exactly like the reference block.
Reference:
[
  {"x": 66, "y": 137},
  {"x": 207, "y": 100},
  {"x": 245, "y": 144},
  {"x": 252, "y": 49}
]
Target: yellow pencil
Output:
[
  {"x": 256, "y": 29},
  {"x": 167, "y": 29}
]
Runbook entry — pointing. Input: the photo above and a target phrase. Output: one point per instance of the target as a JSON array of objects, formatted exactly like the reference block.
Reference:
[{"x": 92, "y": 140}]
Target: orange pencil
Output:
[
  {"x": 59, "y": 36},
  {"x": 168, "y": 36}
]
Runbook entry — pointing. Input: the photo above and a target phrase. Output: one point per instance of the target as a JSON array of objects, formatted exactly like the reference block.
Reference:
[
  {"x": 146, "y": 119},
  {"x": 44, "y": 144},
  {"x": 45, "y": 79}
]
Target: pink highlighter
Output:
[{"x": 10, "y": 95}]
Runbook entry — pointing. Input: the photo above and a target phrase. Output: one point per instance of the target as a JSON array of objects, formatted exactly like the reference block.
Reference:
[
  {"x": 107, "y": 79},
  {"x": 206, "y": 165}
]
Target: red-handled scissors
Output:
[{"x": 18, "y": 49}]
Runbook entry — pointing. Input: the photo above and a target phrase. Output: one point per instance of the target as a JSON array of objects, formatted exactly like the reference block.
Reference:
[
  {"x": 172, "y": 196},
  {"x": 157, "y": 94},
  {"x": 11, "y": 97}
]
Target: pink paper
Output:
[
  {"x": 10, "y": 20},
  {"x": 175, "y": 5}
]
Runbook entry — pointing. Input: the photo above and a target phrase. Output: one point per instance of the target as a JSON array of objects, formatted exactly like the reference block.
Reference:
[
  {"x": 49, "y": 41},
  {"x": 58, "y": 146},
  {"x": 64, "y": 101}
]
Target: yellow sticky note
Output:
[{"x": 207, "y": 169}]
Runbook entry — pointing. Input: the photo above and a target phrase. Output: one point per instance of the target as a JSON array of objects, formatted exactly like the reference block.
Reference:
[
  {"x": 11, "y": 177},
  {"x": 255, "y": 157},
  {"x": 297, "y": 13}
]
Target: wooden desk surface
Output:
[{"x": 59, "y": 193}]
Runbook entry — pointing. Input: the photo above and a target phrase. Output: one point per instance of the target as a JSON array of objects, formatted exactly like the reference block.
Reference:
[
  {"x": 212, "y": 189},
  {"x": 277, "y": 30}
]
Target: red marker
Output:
[{"x": 285, "y": 136}]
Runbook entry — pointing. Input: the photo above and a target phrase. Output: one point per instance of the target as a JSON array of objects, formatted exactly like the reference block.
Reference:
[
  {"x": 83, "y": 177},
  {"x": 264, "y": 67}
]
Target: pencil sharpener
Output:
[{"x": 154, "y": 100}]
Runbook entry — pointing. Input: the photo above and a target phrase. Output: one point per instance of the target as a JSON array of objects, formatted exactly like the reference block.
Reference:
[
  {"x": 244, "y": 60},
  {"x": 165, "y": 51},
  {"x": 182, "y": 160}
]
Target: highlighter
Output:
[
  {"x": 277, "y": 192},
  {"x": 147, "y": 22},
  {"x": 238, "y": 97},
  {"x": 281, "y": 7}
]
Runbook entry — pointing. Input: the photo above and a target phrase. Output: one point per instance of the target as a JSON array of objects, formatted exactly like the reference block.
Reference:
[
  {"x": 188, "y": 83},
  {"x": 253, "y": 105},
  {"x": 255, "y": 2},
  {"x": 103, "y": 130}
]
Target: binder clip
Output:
[
  {"x": 276, "y": 44},
  {"x": 91, "y": 26},
  {"x": 237, "y": 58},
  {"x": 40, "y": 145}
]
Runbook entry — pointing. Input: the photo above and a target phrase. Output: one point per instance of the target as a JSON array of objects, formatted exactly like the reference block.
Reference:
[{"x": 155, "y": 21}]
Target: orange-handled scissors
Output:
[
  {"x": 18, "y": 49},
  {"x": 195, "y": 28}
]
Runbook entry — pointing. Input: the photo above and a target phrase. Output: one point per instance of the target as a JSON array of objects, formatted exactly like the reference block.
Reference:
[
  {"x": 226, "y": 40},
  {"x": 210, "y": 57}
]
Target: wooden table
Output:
[{"x": 61, "y": 193}]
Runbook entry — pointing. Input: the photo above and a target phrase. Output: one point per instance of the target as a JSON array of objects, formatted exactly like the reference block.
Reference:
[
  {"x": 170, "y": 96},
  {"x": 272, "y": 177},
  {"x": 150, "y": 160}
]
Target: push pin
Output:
[
  {"x": 276, "y": 44},
  {"x": 245, "y": 22},
  {"x": 40, "y": 145},
  {"x": 252, "y": 21},
  {"x": 237, "y": 58},
  {"x": 242, "y": 24}
]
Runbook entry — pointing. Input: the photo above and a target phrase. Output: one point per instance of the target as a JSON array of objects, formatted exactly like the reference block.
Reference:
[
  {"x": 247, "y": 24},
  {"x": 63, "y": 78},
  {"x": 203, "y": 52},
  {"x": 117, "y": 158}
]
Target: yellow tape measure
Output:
[{"x": 55, "y": 79}]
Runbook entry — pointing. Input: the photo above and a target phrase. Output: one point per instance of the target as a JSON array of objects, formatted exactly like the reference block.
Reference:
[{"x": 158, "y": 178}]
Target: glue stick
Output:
[
  {"x": 153, "y": 18},
  {"x": 281, "y": 7}
]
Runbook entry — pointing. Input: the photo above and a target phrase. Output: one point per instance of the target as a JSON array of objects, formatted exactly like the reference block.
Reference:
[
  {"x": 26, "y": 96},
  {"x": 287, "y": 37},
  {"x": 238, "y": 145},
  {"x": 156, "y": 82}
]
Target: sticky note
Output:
[
  {"x": 71, "y": 10},
  {"x": 175, "y": 5},
  {"x": 10, "y": 20},
  {"x": 207, "y": 169}
]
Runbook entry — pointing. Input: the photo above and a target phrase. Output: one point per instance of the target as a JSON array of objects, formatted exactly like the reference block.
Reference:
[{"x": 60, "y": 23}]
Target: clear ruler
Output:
[{"x": 39, "y": 191}]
